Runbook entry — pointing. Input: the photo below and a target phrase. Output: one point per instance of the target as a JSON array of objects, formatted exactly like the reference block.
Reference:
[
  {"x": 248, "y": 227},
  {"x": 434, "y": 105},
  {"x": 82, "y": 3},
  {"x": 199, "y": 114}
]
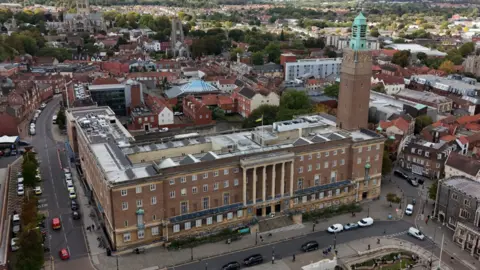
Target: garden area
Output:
[{"x": 392, "y": 261}]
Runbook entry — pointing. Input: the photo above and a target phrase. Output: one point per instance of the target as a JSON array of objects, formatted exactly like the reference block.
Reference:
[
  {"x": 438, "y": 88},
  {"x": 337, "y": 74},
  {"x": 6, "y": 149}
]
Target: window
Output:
[
  {"x": 309, "y": 168},
  {"x": 124, "y": 205},
  {"x": 337, "y": 192},
  {"x": 176, "y": 228},
  {"x": 454, "y": 196},
  {"x": 215, "y": 173},
  {"x": 194, "y": 177},
  {"x": 183, "y": 179},
  {"x": 125, "y": 223},
  {"x": 301, "y": 158},
  {"x": 205, "y": 188},
  {"x": 295, "y": 201},
  {"x": 466, "y": 202},
  {"x": 153, "y": 200},
  {"x": 309, "y": 156},
  {"x": 194, "y": 190},
  {"x": 226, "y": 198},
  {"x": 325, "y": 165},
  {"x": 183, "y": 192},
  {"x": 321, "y": 195},
  {"x": 155, "y": 230},
  {"x": 225, "y": 172},
  {"x": 141, "y": 234},
  {"x": 172, "y": 181},
  {"x": 327, "y": 154},
  {"x": 127, "y": 237},
  {"x": 345, "y": 189},
  {"x": 304, "y": 199},
  {"x": 139, "y": 203},
  {"x": 205, "y": 175},
  {"x": 172, "y": 194},
  {"x": 138, "y": 190},
  {"x": 377, "y": 157},
  {"x": 334, "y": 163},
  {"x": 198, "y": 223},
  {"x": 335, "y": 152},
  {"x": 359, "y": 149},
  {"x": 235, "y": 170},
  {"x": 464, "y": 214},
  {"x": 123, "y": 192},
  {"x": 330, "y": 193},
  {"x": 215, "y": 186},
  {"x": 206, "y": 203},
  {"x": 235, "y": 182},
  {"x": 300, "y": 169},
  {"x": 439, "y": 156},
  {"x": 369, "y": 148},
  {"x": 342, "y": 162},
  {"x": 154, "y": 217},
  {"x": 219, "y": 218},
  {"x": 378, "y": 146},
  {"x": 188, "y": 226},
  {"x": 318, "y": 155},
  {"x": 312, "y": 197},
  {"x": 183, "y": 208},
  {"x": 153, "y": 187},
  {"x": 368, "y": 159},
  {"x": 333, "y": 177},
  {"x": 209, "y": 220},
  {"x": 343, "y": 151},
  {"x": 451, "y": 221},
  {"x": 240, "y": 213},
  {"x": 359, "y": 160},
  {"x": 318, "y": 166},
  {"x": 437, "y": 165},
  {"x": 300, "y": 183}
]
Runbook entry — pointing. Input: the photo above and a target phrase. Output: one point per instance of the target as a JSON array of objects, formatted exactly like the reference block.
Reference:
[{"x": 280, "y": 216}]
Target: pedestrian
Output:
[
  {"x": 293, "y": 257},
  {"x": 273, "y": 259},
  {"x": 93, "y": 227},
  {"x": 378, "y": 241},
  {"x": 384, "y": 231},
  {"x": 368, "y": 246},
  {"x": 88, "y": 228}
]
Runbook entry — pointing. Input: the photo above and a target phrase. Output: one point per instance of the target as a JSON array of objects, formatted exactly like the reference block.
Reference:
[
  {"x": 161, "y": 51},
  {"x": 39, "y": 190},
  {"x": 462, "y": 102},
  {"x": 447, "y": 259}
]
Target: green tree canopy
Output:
[
  {"x": 467, "y": 48},
  {"x": 30, "y": 253},
  {"x": 268, "y": 112},
  {"x": 332, "y": 90},
  {"x": 257, "y": 58},
  {"x": 432, "y": 191},
  {"x": 401, "y": 58},
  {"x": 273, "y": 51},
  {"x": 421, "y": 122}
]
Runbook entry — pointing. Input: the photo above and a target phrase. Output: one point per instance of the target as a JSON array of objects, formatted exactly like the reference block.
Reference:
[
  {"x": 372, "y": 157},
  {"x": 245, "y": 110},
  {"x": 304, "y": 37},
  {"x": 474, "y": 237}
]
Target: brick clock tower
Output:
[{"x": 355, "y": 79}]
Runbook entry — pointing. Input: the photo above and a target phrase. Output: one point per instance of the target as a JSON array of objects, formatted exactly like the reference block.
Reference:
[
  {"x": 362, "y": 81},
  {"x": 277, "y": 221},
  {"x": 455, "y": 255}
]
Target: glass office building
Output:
[{"x": 116, "y": 96}]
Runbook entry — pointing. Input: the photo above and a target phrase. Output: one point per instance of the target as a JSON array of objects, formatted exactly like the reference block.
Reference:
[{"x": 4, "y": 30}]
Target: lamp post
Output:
[
  {"x": 368, "y": 214},
  {"x": 191, "y": 253},
  {"x": 335, "y": 241},
  {"x": 256, "y": 237},
  {"x": 118, "y": 268}
]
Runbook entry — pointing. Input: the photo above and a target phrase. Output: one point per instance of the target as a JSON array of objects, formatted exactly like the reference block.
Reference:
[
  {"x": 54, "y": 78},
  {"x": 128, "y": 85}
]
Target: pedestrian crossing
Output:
[{"x": 284, "y": 229}]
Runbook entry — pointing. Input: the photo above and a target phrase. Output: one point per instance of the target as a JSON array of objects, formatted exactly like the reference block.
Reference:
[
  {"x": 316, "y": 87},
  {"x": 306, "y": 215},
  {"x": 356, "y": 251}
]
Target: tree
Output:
[
  {"x": 421, "y": 122},
  {"x": 432, "y": 191},
  {"x": 266, "y": 112},
  {"x": 386, "y": 163},
  {"x": 332, "y": 90},
  {"x": 236, "y": 34},
  {"x": 330, "y": 53},
  {"x": 282, "y": 36},
  {"x": 295, "y": 100},
  {"x": 374, "y": 32},
  {"x": 61, "y": 120},
  {"x": 447, "y": 66},
  {"x": 29, "y": 211},
  {"x": 422, "y": 56},
  {"x": 380, "y": 88},
  {"x": 257, "y": 58},
  {"x": 273, "y": 51},
  {"x": 393, "y": 198},
  {"x": 30, "y": 253},
  {"x": 401, "y": 58},
  {"x": 467, "y": 48},
  {"x": 29, "y": 173}
]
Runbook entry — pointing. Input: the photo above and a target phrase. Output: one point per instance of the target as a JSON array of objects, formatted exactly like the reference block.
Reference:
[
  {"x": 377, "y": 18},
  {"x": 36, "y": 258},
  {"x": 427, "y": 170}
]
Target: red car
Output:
[{"x": 64, "y": 255}]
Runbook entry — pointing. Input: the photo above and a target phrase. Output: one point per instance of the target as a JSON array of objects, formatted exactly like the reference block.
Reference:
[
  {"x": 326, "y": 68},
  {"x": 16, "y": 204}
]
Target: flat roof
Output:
[
  {"x": 465, "y": 185},
  {"x": 424, "y": 96},
  {"x": 105, "y": 86},
  {"x": 415, "y": 48}
]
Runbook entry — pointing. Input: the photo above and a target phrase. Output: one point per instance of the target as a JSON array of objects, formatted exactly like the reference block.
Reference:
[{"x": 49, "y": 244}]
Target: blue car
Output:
[{"x": 350, "y": 226}]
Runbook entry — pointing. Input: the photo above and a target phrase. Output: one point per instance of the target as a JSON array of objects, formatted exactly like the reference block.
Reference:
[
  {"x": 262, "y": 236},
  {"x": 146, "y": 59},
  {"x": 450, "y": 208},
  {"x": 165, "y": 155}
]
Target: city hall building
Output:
[{"x": 192, "y": 184}]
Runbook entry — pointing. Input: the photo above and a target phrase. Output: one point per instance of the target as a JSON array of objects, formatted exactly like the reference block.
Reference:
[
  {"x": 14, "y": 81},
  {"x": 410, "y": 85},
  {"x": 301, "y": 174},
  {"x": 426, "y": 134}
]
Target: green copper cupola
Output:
[{"x": 358, "y": 40}]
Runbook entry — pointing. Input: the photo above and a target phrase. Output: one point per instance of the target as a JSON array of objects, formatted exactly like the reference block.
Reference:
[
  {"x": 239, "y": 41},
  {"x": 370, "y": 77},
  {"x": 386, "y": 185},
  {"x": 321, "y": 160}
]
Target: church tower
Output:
[
  {"x": 355, "y": 79},
  {"x": 83, "y": 7}
]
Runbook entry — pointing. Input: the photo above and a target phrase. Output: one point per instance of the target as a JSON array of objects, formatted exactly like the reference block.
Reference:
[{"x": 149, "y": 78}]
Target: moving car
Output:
[
  {"x": 365, "y": 222},
  {"x": 409, "y": 210},
  {"x": 56, "y": 223},
  {"x": 350, "y": 226},
  {"x": 13, "y": 243},
  {"x": 75, "y": 215},
  {"x": 72, "y": 194},
  {"x": 309, "y": 246},
  {"x": 412, "y": 182},
  {"x": 252, "y": 260},
  {"x": 64, "y": 255},
  {"x": 416, "y": 233},
  {"x": 20, "y": 190},
  {"x": 32, "y": 131},
  {"x": 163, "y": 129},
  {"x": 43, "y": 106},
  {"x": 335, "y": 228},
  {"x": 54, "y": 119},
  {"x": 400, "y": 174},
  {"x": 38, "y": 190},
  {"x": 231, "y": 266},
  {"x": 74, "y": 205}
]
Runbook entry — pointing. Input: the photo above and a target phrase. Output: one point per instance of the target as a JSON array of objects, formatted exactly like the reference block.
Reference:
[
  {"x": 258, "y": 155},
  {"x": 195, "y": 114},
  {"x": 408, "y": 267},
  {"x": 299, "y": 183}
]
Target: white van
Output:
[
  {"x": 416, "y": 233},
  {"x": 409, "y": 210},
  {"x": 32, "y": 131}
]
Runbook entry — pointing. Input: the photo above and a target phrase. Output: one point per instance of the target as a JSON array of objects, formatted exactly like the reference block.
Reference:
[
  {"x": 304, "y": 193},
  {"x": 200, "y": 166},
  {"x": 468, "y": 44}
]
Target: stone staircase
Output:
[{"x": 273, "y": 223}]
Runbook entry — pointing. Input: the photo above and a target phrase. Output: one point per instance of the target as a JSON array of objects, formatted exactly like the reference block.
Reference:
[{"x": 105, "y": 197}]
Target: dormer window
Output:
[
  {"x": 439, "y": 156},
  {"x": 427, "y": 154},
  {"x": 419, "y": 151},
  {"x": 413, "y": 150}
]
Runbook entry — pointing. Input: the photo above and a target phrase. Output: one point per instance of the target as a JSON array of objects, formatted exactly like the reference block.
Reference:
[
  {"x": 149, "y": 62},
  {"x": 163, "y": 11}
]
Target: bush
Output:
[
  {"x": 331, "y": 211},
  {"x": 393, "y": 198},
  {"x": 196, "y": 241}
]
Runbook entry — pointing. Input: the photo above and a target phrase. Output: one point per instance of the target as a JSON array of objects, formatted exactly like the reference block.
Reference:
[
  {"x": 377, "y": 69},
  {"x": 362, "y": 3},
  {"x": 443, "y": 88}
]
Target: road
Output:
[
  {"x": 288, "y": 248},
  {"x": 55, "y": 197}
]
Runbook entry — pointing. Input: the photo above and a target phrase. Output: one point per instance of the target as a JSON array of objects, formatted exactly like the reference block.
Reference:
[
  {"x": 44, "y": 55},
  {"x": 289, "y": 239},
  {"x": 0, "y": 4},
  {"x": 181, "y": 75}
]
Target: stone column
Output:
[
  {"x": 254, "y": 198},
  {"x": 282, "y": 180},
  {"x": 264, "y": 184},
  {"x": 291, "y": 179},
  {"x": 273, "y": 181},
  {"x": 244, "y": 186},
  {"x": 474, "y": 246}
]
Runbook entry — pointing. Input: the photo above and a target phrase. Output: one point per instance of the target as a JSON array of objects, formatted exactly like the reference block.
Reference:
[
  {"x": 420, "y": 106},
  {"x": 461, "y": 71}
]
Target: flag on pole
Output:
[{"x": 259, "y": 119}]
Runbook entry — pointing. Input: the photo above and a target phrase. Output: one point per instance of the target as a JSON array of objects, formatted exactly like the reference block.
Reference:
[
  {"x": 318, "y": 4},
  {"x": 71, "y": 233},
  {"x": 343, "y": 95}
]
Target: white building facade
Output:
[
  {"x": 165, "y": 117},
  {"x": 318, "y": 68}
]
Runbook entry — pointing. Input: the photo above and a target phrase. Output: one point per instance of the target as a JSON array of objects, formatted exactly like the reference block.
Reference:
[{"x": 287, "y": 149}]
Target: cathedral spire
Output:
[{"x": 358, "y": 39}]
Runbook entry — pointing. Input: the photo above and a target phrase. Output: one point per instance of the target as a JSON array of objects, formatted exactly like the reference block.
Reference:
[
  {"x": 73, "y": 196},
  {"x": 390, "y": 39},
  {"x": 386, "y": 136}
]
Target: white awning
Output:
[{"x": 9, "y": 139}]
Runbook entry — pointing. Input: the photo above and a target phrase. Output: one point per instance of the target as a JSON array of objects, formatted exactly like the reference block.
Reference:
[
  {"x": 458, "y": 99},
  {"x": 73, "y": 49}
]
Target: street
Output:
[{"x": 55, "y": 197}]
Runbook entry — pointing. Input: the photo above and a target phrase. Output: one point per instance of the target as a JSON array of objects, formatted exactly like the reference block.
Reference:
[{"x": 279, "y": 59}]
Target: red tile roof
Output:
[
  {"x": 226, "y": 81},
  {"x": 448, "y": 138},
  {"x": 376, "y": 68},
  {"x": 473, "y": 126},
  {"x": 400, "y": 123},
  {"x": 389, "y": 80},
  {"x": 463, "y": 139},
  {"x": 99, "y": 81},
  {"x": 468, "y": 119},
  {"x": 224, "y": 100}
]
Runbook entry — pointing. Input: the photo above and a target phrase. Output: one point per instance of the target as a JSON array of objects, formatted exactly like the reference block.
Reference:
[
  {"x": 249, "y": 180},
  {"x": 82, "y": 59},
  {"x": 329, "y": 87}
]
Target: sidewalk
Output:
[{"x": 435, "y": 230}]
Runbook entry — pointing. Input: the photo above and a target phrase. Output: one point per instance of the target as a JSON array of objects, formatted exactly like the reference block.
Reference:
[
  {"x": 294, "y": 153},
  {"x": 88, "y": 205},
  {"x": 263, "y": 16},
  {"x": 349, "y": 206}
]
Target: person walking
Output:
[
  {"x": 293, "y": 257},
  {"x": 93, "y": 227}
]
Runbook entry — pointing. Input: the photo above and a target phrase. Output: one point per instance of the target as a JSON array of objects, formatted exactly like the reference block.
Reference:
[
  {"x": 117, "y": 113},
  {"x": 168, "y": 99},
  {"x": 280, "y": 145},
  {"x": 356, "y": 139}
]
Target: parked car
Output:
[
  {"x": 177, "y": 113},
  {"x": 416, "y": 233},
  {"x": 309, "y": 246},
  {"x": 20, "y": 190},
  {"x": 231, "y": 266},
  {"x": 412, "y": 182},
  {"x": 70, "y": 184},
  {"x": 335, "y": 228},
  {"x": 32, "y": 131},
  {"x": 19, "y": 179},
  {"x": 75, "y": 215},
  {"x": 419, "y": 180},
  {"x": 163, "y": 129},
  {"x": 54, "y": 119},
  {"x": 43, "y": 106},
  {"x": 72, "y": 194},
  {"x": 401, "y": 174},
  {"x": 409, "y": 210},
  {"x": 252, "y": 260},
  {"x": 365, "y": 222},
  {"x": 16, "y": 224},
  {"x": 13, "y": 244},
  {"x": 38, "y": 190},
  {"x": 350, "y": 226},
  {"x": 74, "y": 205}
]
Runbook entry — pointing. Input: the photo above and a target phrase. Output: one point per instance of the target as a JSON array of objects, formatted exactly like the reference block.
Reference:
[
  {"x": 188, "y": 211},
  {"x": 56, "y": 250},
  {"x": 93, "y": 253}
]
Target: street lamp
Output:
[
  {"x": 335, "y": 241},
  {"x": 368, "y": 211},
  {"x": 206, "y": 266},
  {"x": 256, "y": 237}
]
